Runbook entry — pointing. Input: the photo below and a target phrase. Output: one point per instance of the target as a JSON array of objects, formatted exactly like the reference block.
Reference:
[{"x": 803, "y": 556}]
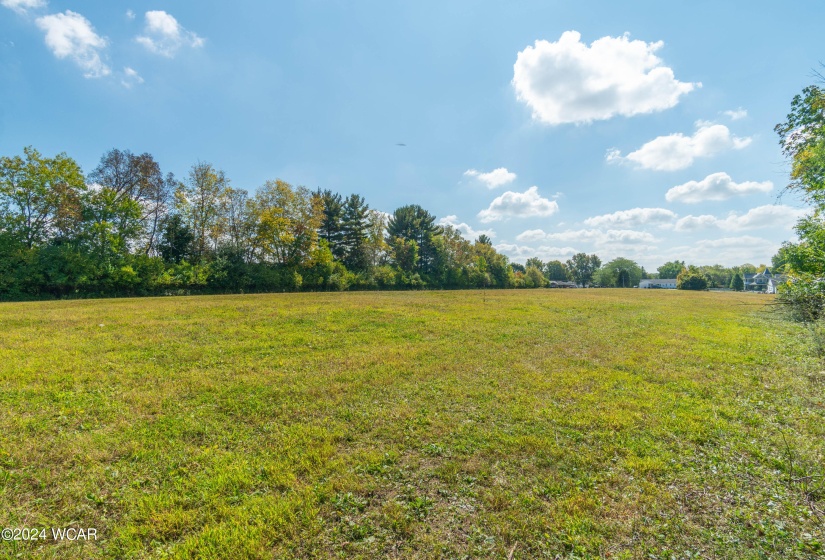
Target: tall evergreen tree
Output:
[
  {"x": 355, "y": 226},
  {"x": 331, "y": 222},
  {"x": 413, "y": 223}
]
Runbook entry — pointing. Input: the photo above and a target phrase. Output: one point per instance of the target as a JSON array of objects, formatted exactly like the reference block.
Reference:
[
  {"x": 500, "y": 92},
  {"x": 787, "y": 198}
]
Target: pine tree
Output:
[
  {"x": 331, "y": 227},
  {"x": 355, "y": 232}
]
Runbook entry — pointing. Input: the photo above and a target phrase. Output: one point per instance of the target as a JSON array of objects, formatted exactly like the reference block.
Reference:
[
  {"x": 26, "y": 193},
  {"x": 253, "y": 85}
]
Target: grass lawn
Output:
[{"x": 522, "y": 424}]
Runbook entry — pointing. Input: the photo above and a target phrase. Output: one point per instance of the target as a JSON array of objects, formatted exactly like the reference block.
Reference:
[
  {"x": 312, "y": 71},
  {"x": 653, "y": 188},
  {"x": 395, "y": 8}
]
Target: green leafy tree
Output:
[
  {"x": 40, "y": 197},
  {"x": 377, "y": 248},
  {"x": 802, "y": 138},
  {"x": 670, "y": 269},
  {"x": 718, "y": 276},
  {"x": 176, "y": 239},
  {"x": 743, "y": 269},
  {"x": 534, "y": 262},
  {"x": 619, "y": 273},
  {"x": 287, "y": 219},
  {"x": 691, "y": 278},
  {"x": 493, "y": 268},
  {"x": 413, "y": 223},
  {"x": 484, "y": 239},
  {"x": 534, "y": 278},
  {"x": 138, "y": 178},
  {"x": 736, "y": 283},
  {"x": 199, "y": 200},
  {"x": 111, "y": 223},
  {"x": 556, "y": 270},
  {"x": 236, "y": 224},
  {"x": 582, "y": 267},
  {"x": 405, "y": 254}
]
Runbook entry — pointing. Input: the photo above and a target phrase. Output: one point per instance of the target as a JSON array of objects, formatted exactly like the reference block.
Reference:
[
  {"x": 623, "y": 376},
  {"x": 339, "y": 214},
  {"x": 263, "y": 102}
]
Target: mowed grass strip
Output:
[{"x": 523, "y": 424}]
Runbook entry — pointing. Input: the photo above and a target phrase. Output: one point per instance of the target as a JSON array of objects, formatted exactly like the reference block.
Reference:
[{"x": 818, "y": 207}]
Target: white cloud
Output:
[
  {"x": 519, "y": 205},
  {"x": 772, "y": 216},
  {"x": 70, "y": 35},
  {"x": 598, "y": 237},
  {"x": 521, "y": 253},
  {"x": 716, "y": 186},
  {"x": 677, "y": 151},
  {"x": 23, "y": 6},
  {"x": 385, "y": 216},
  {"x": 130, "y": 77},
  {"x": 569, "y": 82},
  {"x": 130, "y": 14},
  {"x": 634, "y": 217},
  {"x": 163, "y": 34},
  {"x": 531, "y": 235},
  {"x": 736, "y": 114},
  {"x": 727, "y": 251},
  {"x": 466, "y": 230},
  {"x": 495, "y": 178}
]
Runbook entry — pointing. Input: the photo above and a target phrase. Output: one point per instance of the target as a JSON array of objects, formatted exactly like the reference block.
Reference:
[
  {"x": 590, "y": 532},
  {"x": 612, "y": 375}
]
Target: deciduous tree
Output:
[
  {"x": 582, "y": 267},
  {"x": 40, "y": 197}
]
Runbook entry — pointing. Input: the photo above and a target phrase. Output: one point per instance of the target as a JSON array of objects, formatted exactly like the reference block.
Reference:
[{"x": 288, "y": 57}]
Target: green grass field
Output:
[{"x": 522, "y": 424}]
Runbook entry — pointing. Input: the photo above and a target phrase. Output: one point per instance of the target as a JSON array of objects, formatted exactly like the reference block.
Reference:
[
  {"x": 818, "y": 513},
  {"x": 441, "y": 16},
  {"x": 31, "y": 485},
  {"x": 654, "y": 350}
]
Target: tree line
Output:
[
  {"x": 588, "y": 270},
  {"x": 129, "y": 229}
]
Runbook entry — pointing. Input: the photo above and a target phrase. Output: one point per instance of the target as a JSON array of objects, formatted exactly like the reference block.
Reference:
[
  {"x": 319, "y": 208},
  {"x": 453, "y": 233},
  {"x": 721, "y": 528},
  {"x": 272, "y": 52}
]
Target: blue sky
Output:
[{"x": 642, "y": 130}]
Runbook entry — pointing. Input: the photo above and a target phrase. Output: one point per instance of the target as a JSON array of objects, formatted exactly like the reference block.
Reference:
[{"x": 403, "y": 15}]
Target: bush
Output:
[
  {"x": 805, "y": 297},
  {"x": 691, "y": 279}
]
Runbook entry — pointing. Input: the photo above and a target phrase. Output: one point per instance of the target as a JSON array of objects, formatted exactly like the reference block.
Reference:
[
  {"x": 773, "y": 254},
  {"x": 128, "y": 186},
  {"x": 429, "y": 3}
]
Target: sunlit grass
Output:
[{"x": 546, "y": 423}]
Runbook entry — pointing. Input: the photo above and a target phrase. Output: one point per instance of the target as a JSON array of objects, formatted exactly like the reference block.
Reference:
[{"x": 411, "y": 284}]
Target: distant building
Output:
[
  {"x": 764, "y": 281},
  {"x": 774, "y": 282},
  {"x": 664, "y": 284},
  {"x": 560, "y": 284}
]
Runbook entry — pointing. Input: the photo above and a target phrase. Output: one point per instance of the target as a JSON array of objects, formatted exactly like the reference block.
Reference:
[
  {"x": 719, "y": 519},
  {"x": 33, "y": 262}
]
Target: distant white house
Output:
[
  {"x": 773, "y": 283},
  {"x": 764, "y": 281},
  {"x": 664, "y": 284}
]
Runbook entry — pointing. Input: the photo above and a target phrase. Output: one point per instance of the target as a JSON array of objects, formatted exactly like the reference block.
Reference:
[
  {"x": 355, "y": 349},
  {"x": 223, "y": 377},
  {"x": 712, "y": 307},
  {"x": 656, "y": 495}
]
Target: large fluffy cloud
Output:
[
  {"x": 70, "y": 35},
  {"x": 634, "y": 217},
  {"x": 163, "y": 34},
  {"x": 716, "y": 186},
  {"x": 570, "y": 82},
  {"x": 768, "y": 216},
  {"x": 677, "y": 151},
  {"x": 519, "y": 205},
  {"x": 493, "y": 179},
  {"x": 22, "y": 6},
  {"x": 465, "y": 229}
]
